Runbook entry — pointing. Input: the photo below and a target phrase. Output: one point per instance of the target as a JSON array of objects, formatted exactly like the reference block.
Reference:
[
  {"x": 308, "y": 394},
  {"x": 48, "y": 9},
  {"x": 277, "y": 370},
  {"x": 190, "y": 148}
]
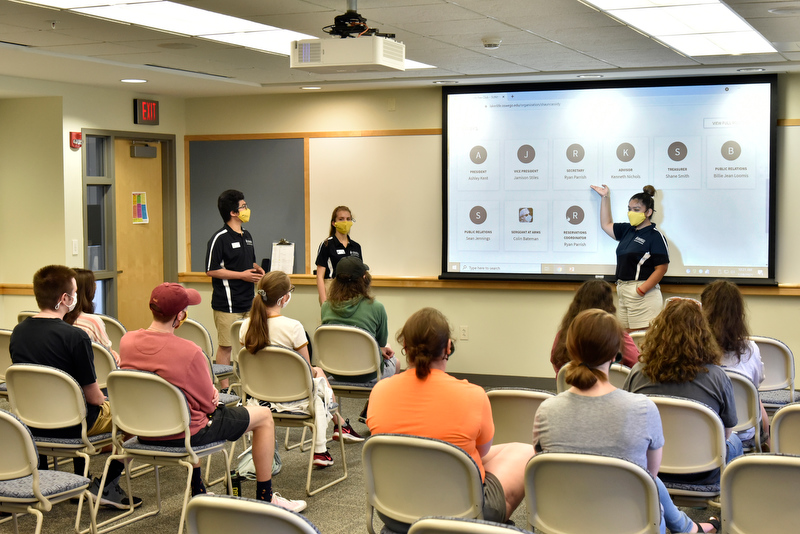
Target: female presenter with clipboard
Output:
[{"x": 642, "y": 257}]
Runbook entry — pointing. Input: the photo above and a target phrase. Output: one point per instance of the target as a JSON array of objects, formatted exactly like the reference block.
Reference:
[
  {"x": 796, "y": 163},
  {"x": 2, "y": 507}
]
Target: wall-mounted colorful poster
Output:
[{"x": 140, "y": 208}]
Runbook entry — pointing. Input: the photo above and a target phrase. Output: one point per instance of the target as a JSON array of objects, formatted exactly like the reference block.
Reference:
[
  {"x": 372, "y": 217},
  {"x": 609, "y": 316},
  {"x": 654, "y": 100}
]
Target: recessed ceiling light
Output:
[
  {"x": 445, "y": 82},
  {"x": 133, "y": 80},
  {"x": 751, "y": 69},
  {"x": 311, "y": 87},
  {"x": 589, "y": 76}
]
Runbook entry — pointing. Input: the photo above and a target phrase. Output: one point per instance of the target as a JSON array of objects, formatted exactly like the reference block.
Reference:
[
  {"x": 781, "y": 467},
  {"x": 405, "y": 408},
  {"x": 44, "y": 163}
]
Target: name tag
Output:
[
  {"x": 236, "y": 245},
  {"x": 340, "y": 252}
]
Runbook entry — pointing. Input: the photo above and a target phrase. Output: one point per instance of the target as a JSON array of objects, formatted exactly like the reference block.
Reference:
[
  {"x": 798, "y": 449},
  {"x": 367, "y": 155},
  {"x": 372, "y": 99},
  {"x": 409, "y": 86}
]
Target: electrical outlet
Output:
[
  {"x": 463, "y": 332},
  {"x": 75, "y": 249}
]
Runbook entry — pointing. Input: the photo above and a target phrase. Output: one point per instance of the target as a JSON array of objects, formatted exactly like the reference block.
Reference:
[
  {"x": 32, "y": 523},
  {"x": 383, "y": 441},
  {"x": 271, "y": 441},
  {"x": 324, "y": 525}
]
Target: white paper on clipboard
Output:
[{"x": 282, "y": 257}]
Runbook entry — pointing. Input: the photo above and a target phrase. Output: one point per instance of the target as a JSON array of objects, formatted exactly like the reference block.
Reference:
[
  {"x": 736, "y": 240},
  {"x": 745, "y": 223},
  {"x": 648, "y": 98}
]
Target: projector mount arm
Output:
[{"x": 351, "y": 24}]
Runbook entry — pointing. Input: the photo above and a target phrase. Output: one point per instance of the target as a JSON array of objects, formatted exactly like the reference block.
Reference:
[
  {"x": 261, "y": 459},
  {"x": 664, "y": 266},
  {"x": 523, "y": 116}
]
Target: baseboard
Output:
[{"x": 497, "y": 381}]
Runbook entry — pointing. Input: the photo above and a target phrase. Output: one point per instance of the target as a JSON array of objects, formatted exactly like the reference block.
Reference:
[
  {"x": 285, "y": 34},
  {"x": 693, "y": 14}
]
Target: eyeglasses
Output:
[
  {"x": 291, "y": 289},
  {"x": 242, "y": 207}
]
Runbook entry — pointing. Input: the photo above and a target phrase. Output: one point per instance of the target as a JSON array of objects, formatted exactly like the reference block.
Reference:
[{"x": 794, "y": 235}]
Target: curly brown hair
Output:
[
  {"x": 679, "y": 344},
  {"x": 591, "y": 294},
  {"x": 723, "y": 307}
]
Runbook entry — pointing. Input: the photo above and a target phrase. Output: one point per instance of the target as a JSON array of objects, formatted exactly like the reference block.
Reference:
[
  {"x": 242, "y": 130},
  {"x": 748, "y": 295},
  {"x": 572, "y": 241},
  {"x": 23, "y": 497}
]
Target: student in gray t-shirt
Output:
[{"x": 595, "y": 417}]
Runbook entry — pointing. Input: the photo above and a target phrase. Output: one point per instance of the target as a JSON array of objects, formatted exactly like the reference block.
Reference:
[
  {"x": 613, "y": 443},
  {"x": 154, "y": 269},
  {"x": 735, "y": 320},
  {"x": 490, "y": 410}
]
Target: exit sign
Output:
[{"x": 145, "y": 111}]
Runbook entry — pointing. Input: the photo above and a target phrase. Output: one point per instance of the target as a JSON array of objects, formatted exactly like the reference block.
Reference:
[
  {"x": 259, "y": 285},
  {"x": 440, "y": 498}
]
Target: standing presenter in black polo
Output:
[
  {"x": 642, "y": 257},
  {"x": 338, "y": 245}
]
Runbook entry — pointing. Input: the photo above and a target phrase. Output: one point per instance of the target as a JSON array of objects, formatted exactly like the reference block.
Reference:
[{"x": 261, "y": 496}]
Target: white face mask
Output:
[
  {"x": 286, "y": 302},
  {"x": 74, "y": 302}
]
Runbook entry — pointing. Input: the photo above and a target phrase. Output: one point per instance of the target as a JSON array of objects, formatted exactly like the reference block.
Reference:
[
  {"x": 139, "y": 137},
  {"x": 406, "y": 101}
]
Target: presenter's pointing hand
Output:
[{"x": 603, "y": 190}]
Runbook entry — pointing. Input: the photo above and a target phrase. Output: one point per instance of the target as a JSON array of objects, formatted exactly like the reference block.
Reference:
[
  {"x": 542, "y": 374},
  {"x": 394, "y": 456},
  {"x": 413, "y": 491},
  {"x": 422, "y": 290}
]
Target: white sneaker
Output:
[{"x": 288, "y": 504}]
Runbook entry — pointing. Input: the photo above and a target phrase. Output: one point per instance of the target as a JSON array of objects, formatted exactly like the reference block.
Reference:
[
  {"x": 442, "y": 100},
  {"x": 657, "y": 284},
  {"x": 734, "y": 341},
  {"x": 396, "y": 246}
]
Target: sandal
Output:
[{"x": 713, "y": 521}]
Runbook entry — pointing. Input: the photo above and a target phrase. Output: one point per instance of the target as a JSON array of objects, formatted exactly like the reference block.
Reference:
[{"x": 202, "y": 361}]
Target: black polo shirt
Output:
[
  {"x": 228, "y": 249},
  {"x": 633, "y": 245},
  {"x": 331, "y": 251}
]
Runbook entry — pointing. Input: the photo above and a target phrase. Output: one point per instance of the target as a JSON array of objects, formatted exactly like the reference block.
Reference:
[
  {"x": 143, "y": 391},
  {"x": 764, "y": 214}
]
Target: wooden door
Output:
[{"x": 140, "y": 245}]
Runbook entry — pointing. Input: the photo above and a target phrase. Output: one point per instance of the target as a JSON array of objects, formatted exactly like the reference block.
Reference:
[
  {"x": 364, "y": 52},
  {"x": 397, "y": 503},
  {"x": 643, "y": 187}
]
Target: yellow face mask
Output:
[
  {"x": 244, "y": 215},
  {"x": 636, "y": 217},
  {"x": 181, "y": 321},
  {"x": 343, "y": 227}
]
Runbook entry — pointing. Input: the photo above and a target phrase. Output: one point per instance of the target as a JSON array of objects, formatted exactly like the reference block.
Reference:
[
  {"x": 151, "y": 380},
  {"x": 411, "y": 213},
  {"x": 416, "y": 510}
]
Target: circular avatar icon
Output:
[
  {"x": 477, "y": 215},
  {"x": 625, "y": 152},
  {"x": 575, "y": 215},
  {"x": 526, "y": 153},
  {"x": 477, "y": 154},
  {"x": 677, "y": 151},
  {"x": 731, "y": 150},
  {"x": 575, "y": 153}
]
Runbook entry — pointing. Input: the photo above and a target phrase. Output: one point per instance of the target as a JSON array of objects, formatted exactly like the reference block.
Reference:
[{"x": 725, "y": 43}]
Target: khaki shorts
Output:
[
  {"x": 636, "y": 311},
  {"x": 102, "y": 424},
  {"x": 223, "y": 322}
]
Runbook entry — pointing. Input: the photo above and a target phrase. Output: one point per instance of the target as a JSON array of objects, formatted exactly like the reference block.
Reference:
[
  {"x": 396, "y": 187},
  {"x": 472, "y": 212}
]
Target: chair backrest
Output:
[
  {"x": 45, "y": 397},
  {"x": 5, "y": 352},
  {"x": 638, "y": 337},
  {"x": 760, "y": 493},
  {"x": 346, "y": 350},
  {"x": 618, "y": 374},
  {"x": 104, "y": 363},
  {"x": 211, "y": 514},
  {"x": 197, "y": 333},
  {"x": 409, "y": 477},
  {"x": 778, "y": 364},
  {"x": 236, "y": 346},
  {"x": 144, "y": 404},
  {"x": 21, "y": 316},
  {"x": 453, "y": 525},
  {"x": 693, "y": 434},
  {"x": 785, "y": 430},
  {"x": 568, "y": 492},
  {"x": 561, "y": 378},
  {"x": 748, "y": 409},
  {"x": 114, "y": 329},
  {"x": 276, "y": 374},
  {"x": 19, "y": 456},
  {"x": 513, "y": 411}
]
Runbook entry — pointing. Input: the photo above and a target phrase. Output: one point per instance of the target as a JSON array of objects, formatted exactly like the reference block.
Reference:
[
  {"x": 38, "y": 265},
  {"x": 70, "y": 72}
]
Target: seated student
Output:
[
  {"x": 594, "y": 417},
  {"x": 426, "y": 401},
  {"x": 350, "y": 303},
  {"x": 182, "y": 363},
  {"x": 680, "y": 357},
  {"x": 723, "y": 307},
  {"x": 83, "y": 315},
  {"x": 266, "y": 326},
  {"x": 591, "y": 294},
  {"x": 45, "y": 339}
]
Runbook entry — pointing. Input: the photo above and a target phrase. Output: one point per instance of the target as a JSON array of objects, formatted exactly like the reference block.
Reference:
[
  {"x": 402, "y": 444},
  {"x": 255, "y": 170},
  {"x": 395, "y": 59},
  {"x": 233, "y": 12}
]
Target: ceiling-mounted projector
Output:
[{"x": 363, "y": 54}]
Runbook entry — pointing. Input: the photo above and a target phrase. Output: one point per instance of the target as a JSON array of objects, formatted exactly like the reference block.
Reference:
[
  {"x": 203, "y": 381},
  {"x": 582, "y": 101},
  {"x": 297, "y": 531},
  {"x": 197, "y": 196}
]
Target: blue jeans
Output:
[
  {"x": 674, "y": 519},
  {"x": 735, "y": 448}
]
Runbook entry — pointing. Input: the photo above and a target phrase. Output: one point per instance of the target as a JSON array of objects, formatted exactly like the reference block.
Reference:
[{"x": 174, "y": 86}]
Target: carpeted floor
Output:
[{"x": 340, "y": 509}]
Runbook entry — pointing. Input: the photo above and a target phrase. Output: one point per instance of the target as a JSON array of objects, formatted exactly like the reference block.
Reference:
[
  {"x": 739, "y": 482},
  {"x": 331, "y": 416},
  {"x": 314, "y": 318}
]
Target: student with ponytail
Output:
[
  {"x": 266, "y": 326},
  {"x": 642, "y": 257},
  {"x": 426, "y": 401},
  {"x": 594, "y": 417}
]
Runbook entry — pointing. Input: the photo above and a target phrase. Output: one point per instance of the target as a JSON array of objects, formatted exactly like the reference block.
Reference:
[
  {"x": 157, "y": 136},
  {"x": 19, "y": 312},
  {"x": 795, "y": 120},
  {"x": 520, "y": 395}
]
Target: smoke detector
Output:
[{"x": 491, "y": 43}]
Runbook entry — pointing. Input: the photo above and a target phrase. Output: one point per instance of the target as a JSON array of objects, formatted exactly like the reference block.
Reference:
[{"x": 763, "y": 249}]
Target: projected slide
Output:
[{"x": 520, "y": 163}]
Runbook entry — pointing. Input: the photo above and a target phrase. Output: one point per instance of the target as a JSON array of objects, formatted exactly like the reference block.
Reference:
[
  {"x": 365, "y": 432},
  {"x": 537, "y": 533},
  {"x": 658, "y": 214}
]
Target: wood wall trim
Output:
[
  {"x": 310, "y": 135},
  {"x": 16, "y": 289},
  {"x": 433, "y": 282},
  {"x": 788, "y": 122}
]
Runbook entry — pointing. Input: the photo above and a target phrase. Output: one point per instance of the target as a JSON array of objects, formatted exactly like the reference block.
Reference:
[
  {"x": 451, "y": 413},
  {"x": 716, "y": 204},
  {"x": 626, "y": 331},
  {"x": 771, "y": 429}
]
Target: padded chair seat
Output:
[
  {"x": 341, "y": 383},
  {"x": 779, "y": 396},
  {"x": 228, "y": 398},
  {"x": 135, "y": 444},
  {"x": 220, "y": 369},
  {"x": 50, "y": 483},
  {"x": 704, "y": 488},
  {"x": 41, "y": 440},
  {"x": 3, "y": 387}
]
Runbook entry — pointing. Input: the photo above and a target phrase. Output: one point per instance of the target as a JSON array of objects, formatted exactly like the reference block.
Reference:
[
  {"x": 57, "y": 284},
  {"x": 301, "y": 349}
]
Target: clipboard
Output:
[{"x": 283, "y": 256}]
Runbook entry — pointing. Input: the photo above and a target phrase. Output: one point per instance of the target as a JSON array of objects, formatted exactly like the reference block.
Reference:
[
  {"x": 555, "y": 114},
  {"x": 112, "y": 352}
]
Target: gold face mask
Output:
[
  {"x": 181, "y": 321},
  {"x": 244, "y": 215},
  {"x": 343, "y": 227},
  {"x": 636, "y": 217}
]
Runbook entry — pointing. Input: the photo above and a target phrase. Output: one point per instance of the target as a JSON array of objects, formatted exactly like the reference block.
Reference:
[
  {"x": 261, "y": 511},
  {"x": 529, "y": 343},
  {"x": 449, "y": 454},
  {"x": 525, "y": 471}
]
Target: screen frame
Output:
[{"x": 771, "y": 79}]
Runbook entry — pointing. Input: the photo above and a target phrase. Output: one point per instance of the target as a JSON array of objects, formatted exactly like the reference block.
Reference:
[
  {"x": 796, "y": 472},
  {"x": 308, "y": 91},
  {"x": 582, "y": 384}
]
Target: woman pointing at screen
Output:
[{"x": 642, "y": 257}]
